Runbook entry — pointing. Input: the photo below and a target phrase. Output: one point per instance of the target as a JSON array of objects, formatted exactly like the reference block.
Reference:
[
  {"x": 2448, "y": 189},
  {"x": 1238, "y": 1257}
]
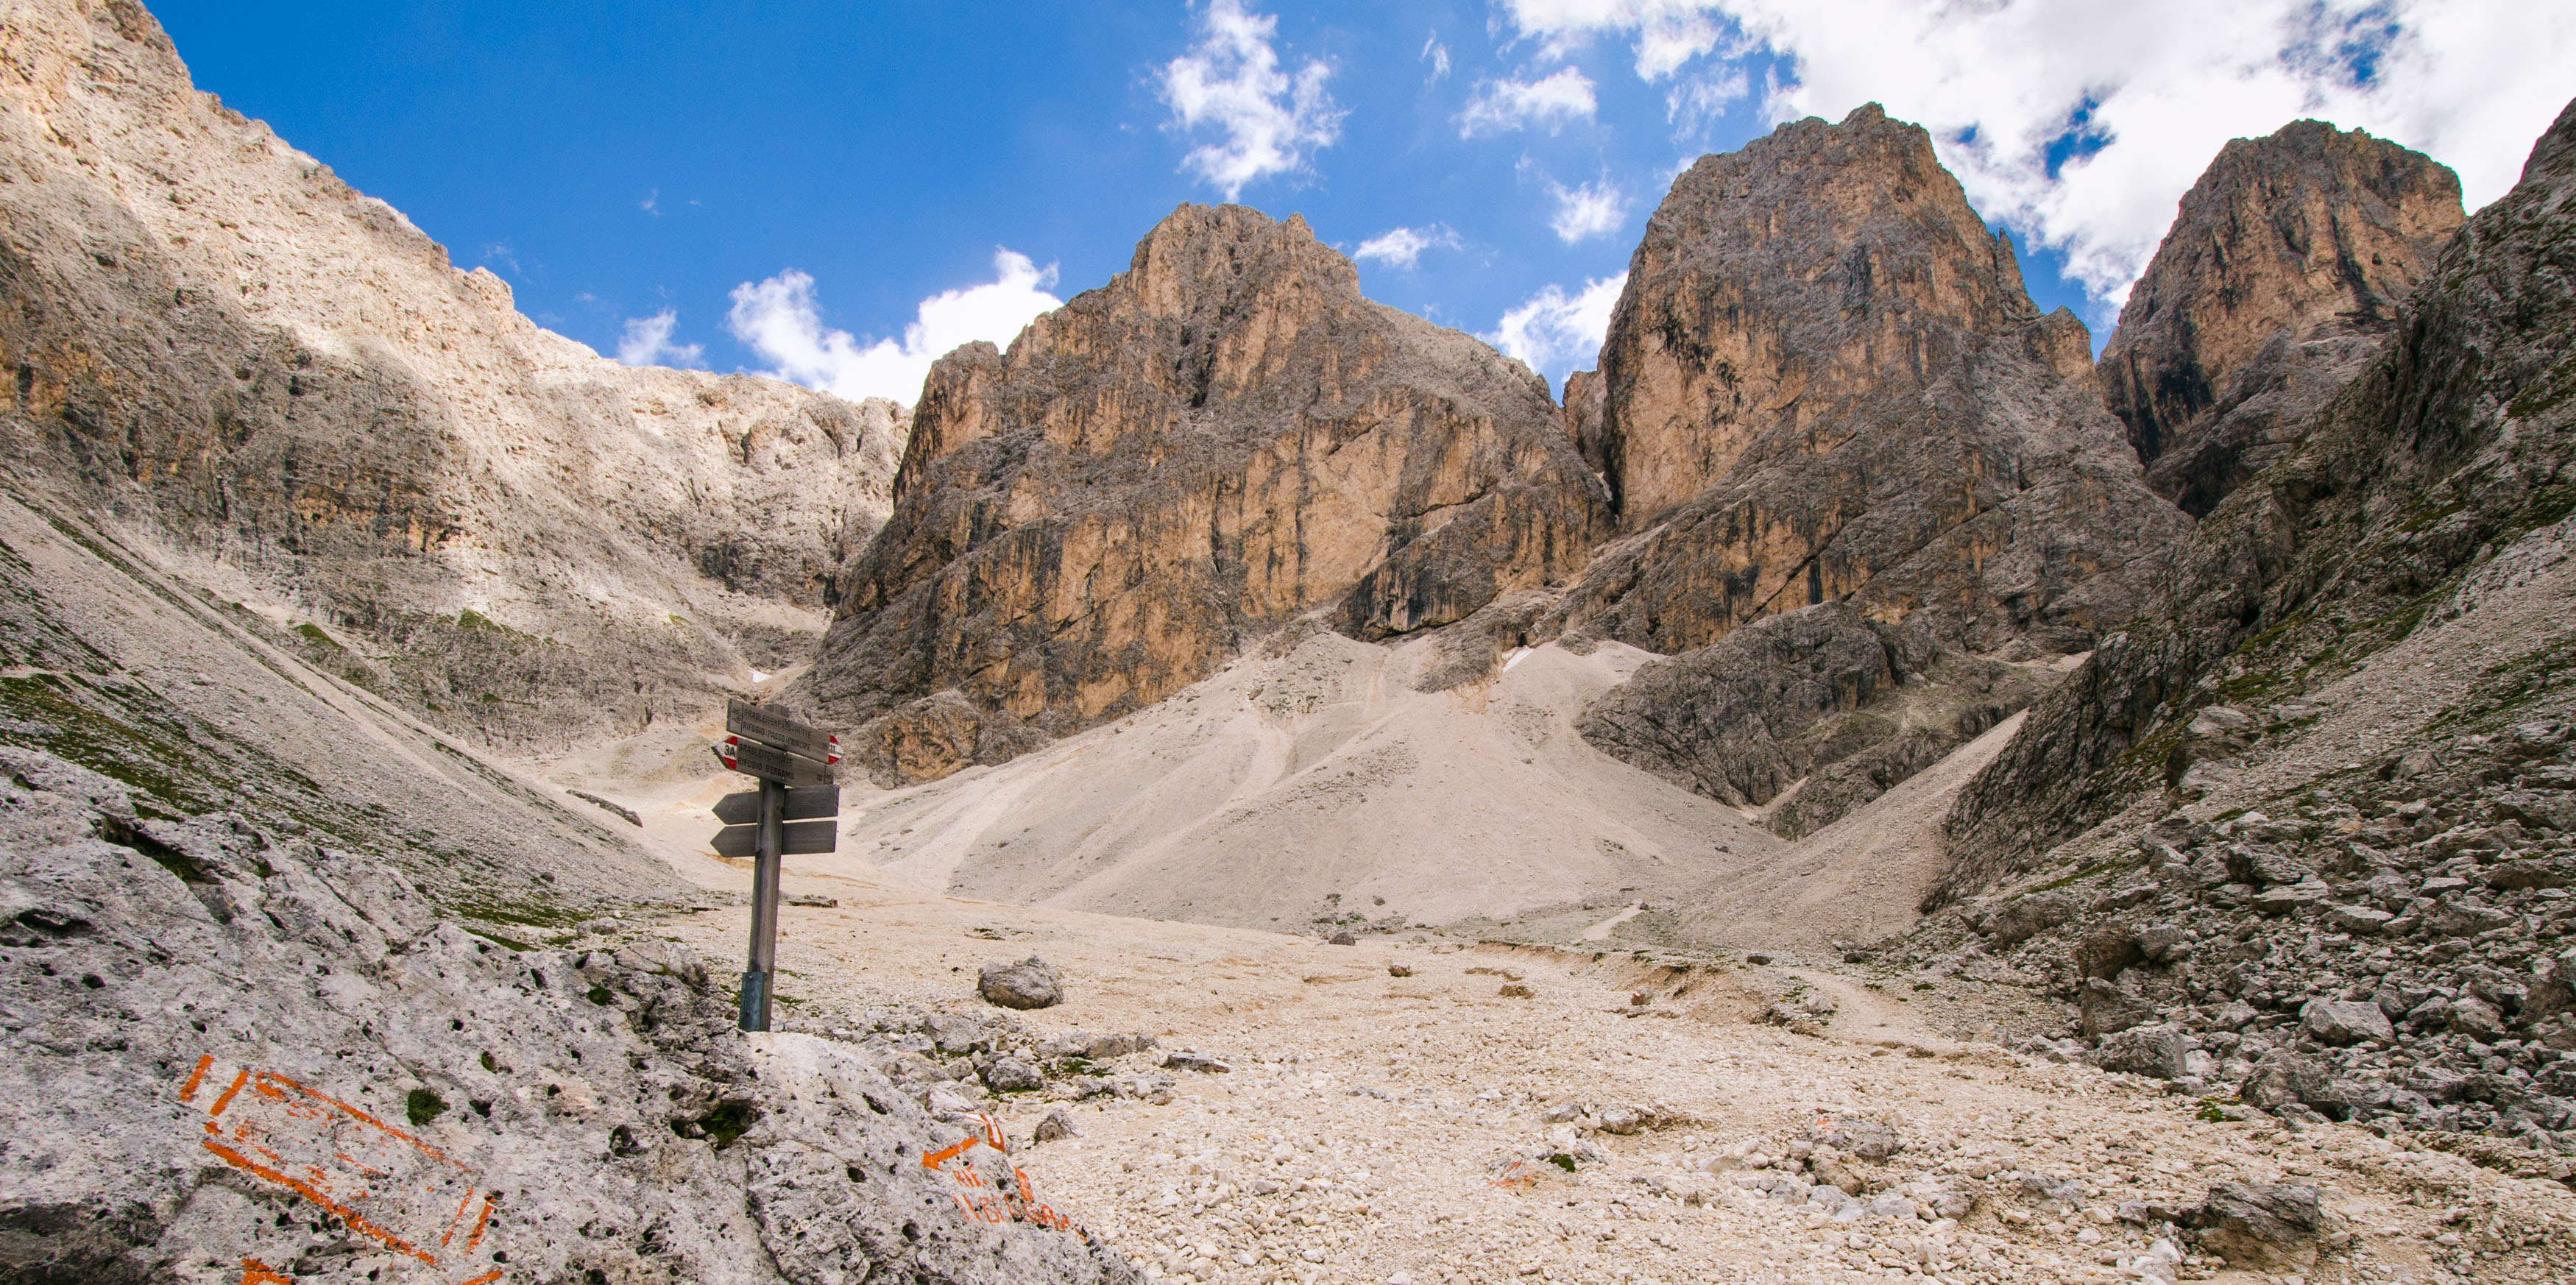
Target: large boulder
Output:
[
  {"x": 2262, "y": 1224},
  {"x": 1030, "y": 983},
  {"x": 2156, "y": 1051},
  {"x": 2107, "y": 1008}
]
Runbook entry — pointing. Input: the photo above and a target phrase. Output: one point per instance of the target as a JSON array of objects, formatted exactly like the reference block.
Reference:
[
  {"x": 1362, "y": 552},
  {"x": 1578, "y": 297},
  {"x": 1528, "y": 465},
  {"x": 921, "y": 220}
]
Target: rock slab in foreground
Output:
[{"x": 200, "y": 1011}]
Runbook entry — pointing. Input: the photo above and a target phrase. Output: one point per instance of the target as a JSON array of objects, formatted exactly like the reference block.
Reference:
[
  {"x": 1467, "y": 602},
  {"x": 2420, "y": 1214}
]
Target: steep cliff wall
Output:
[
  {"x": 2286, "y": 266},
  {"x": 1825, "y": 387},
  {"x": 2458, "y": 436},
  {"x": 290, "y": 389},
  {"x": 1224, "y": 437}
]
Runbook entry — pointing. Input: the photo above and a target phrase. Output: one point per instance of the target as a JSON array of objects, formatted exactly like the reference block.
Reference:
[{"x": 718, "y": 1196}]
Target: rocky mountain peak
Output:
[
  {"x": 2285, "y": 265},
  {"x": 1223, "y": 437},
  {"x": 1806, "y": 266}
]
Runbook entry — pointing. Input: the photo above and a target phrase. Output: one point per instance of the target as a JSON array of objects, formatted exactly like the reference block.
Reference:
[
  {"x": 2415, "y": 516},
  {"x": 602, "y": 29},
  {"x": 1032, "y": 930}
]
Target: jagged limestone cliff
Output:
[
  {"x": 290, "y": 390},
  {"x": 1826, "y": 386},
  {"x": 2458, "y": 437},
  {"x": 2286, "y": 266},
  {"x": 1223, "y": 438}
]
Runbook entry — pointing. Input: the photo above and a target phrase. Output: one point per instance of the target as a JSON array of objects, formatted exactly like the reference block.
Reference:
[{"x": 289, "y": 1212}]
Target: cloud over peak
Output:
[
  {"x": 1593, "y": 209},
  {"x": 647, "y": 342},
  {"x": 1267, "y": 120},
  {"x": 1401, "y": 247},
  {"x": 2080, "y": 123},
  {"x": 1500, "y": 106},
  {"x": 1554, "y": 332},
  {"x": 779, "y": 320}
]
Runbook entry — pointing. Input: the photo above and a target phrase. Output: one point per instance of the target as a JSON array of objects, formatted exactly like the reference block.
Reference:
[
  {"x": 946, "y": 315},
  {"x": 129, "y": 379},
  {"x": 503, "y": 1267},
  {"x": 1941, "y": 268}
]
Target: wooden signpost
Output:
[{"x": 795, "y": 811}]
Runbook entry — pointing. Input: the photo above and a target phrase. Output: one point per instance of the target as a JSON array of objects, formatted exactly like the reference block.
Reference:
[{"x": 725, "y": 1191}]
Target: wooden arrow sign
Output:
[
  {"x": 797, "y": 838},
  {"x": 802, "y": 805},
  {"x": 754, "y": 723},
  {"x": 751, "y": 758}
]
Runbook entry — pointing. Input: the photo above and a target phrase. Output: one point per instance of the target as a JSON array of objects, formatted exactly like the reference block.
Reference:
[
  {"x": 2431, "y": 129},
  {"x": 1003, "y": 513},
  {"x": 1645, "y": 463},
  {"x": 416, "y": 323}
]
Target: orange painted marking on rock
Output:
[
  {"x": 188, "y": 1091},
  {"x": 255, "y": 1272},
  {"x": 356, "y": 1222}
]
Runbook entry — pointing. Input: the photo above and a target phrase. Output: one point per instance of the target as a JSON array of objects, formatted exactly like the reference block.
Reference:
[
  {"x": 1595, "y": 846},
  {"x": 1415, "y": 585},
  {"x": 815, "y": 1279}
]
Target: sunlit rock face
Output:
[
  {"x": 1224, "y": 437},
  {"x": 2284, "y": 270},
  {"x": 1826, "y": 381}
]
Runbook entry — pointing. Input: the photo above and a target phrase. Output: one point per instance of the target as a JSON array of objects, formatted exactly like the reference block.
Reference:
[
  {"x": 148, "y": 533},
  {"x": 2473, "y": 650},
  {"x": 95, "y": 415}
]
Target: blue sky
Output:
[{"x": 650, "y": 174}]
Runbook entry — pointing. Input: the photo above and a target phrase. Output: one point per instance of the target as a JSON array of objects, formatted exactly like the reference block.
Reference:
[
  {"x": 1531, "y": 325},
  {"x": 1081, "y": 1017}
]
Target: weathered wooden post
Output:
[{"x": 795, "y": 811}]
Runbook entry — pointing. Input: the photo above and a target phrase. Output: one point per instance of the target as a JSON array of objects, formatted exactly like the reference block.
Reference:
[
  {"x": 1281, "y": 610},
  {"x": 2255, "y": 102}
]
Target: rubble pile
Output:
[{"x": 2386, "y": 948}]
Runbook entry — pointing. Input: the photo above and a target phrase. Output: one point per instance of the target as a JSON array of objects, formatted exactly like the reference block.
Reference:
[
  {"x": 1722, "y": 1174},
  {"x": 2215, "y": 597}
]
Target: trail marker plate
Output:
[
  {"x": 806, "y": 804},
  {"x": 781, "y": 732},
  {"x": 751, "y": 758},
  {"x": 796, "y": 839}
]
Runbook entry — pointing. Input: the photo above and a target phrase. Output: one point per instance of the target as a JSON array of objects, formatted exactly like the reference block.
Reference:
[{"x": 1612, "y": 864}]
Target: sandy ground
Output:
[{"x": 1381, "y": 1128}]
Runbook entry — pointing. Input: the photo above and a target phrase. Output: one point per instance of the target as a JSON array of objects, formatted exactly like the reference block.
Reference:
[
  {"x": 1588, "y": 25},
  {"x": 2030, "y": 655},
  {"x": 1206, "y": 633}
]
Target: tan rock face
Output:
[
  {"x": 1224, "y": 437},
  {"x": 289, "y": 388},
  {"x": 2285, "y": 266},
  {"x": 1826, "y": 381}
]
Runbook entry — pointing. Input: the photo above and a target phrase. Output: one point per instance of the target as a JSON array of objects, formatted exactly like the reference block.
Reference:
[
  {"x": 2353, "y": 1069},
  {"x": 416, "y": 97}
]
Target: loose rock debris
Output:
[{"x": 1430, "y": 1131}]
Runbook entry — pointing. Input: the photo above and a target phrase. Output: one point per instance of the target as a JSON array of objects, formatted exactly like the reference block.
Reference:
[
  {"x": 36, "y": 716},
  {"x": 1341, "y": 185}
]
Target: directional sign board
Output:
[
  {"x": 751, "y": 722},
  {"x": 752, "y": 758},
  {"x": 797, "y": 839},
  {"x": 802, "y": 805}
]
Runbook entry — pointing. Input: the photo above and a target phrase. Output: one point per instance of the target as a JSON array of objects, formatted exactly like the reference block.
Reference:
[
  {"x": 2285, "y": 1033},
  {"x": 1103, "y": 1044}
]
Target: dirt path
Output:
[{"x": 1397, "y": 1129}]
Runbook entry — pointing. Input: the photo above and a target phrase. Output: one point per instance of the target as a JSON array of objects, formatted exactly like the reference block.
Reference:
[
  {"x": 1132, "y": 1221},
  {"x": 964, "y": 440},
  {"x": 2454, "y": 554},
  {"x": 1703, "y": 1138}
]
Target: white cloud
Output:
[
  {"x": 1436, "y": 54},
  {"x": 2143, "y": 95},
  {"x": 778, "y": 319},
  {"x": 1402, "y": 246},
  {"x": 1594, "y": 209},
  {"x": 1555, "y": 333},
  {"x": 1231, "y": 80},
  {"x": 1499, "y": 106},
  {"x": 647, "y": 342},
  {"x": 1694, "y": 102}
]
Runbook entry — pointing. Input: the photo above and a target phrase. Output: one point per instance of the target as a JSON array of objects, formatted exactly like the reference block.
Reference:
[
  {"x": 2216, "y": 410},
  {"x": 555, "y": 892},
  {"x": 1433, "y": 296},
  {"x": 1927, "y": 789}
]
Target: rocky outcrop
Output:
[
  {"x": 2285, "y": 268},
  {"x": 1825, "y": 381},
  {"x": 1820, "y": 701},
  {"x": 288, "y": 388},
  {"x": 2457, "y": 437},
  {"x": 1224, "y": 437},
  {"x": 236, "y": 1049}
]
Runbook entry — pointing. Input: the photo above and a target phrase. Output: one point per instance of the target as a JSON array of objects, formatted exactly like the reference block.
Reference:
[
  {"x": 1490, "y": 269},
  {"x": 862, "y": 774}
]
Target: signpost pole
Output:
[{"x": 764, "y": 906}]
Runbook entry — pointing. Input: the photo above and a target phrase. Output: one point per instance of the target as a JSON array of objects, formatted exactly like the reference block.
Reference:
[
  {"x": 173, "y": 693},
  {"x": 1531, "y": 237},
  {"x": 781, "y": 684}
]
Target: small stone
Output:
[
  {"x": 1514, "y": 990},
  {"x": 2107, "y": 1008},
  {"x": 1057, "y": 1124},
  {"x": 1343, "y": 938},
  {"x": 2358, "y": 920},
  {"x": 1030, "y": 983},
  {"x": 1011, "y": 1075},
  {"x": 2476, "y": 1018},
  {"x": 2156, "y": 1051},
  {"x": 1398, "y": 970},
  {"x": 2345, "y": 1021},
  {"x": 1185, "y": 1060}
]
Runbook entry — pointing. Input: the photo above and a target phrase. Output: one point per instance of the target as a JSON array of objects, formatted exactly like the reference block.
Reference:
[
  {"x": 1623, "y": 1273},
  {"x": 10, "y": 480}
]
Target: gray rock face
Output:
[
  {"x": 245, "y": 361},
  {"x": 1030, "y": 983},
  {"x": 1224, "y": 437},
  {"x": 1820, "y": 695},
  {"x": 2286, "y": 265},
  {"x": 197, "y": 1019},
  {"x": 2463, "y": 414},
  {"x": 1769, "y": 448}
]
